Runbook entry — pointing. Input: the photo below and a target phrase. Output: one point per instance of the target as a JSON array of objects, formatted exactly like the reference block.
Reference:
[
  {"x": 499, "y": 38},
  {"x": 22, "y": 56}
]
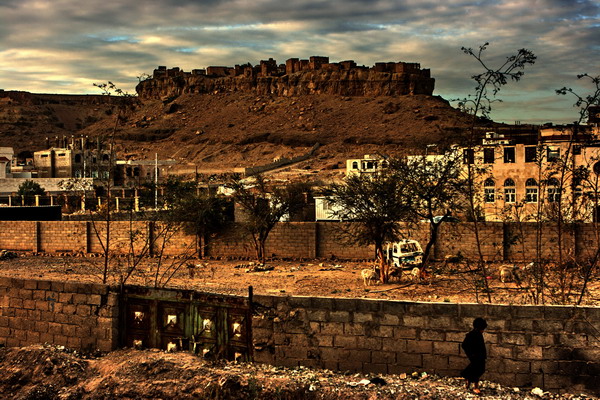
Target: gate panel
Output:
[{"x": 212, "y": 326}]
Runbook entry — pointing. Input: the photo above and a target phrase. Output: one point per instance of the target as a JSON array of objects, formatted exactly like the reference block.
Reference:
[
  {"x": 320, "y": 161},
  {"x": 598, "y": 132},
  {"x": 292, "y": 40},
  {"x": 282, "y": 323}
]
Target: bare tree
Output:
[
  {"x": 265, "y": 205},
  {"x": 487, "y": 85}
]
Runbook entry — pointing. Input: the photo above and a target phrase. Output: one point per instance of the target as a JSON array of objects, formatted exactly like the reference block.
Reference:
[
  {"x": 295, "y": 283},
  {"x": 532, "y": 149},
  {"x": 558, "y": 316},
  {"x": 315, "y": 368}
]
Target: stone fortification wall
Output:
[
  {"x": 355, "y": 82},
  {"x": 510, "y": 242},
  {"x": 555, "y": 348}
]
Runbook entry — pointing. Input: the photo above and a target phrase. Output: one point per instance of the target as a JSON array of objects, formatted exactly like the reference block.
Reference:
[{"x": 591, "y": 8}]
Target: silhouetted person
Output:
[{"x": 474, "y": 348}]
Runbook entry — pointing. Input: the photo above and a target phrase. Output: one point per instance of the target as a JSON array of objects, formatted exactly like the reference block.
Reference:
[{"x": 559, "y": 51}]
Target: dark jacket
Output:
[{"x": 474, "y": 346}]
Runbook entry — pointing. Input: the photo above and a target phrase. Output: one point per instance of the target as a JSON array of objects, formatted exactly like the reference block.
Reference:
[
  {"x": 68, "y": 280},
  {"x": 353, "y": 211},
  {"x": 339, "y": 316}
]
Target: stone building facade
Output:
[{"x": 529, "y": 177}]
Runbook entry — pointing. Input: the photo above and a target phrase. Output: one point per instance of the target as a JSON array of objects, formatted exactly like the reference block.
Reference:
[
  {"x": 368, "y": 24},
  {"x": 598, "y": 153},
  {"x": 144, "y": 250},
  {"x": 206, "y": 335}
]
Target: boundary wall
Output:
[
  {"x": 511, "y": 242},
  {"x": 553, "y": 347}
]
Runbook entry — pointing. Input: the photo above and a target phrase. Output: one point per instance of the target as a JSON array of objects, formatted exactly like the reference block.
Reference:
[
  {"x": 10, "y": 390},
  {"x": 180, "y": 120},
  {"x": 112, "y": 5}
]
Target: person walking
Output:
[{"x": 474, "y": 348}]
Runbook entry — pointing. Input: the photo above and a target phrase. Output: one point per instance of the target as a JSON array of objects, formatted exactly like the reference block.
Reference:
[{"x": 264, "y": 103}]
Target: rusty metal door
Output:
[{"x": 212, "y": 326}]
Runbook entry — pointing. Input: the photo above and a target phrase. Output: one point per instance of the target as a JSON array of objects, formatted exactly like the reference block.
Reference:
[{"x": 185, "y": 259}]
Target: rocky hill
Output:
[
  {"x": 249, "y": 118},
  {"x": 26, "y": 119}
]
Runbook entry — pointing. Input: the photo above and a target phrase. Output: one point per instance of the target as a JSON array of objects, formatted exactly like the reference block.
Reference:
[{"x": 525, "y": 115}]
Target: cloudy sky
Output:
[{"x": 63, "y": 46}]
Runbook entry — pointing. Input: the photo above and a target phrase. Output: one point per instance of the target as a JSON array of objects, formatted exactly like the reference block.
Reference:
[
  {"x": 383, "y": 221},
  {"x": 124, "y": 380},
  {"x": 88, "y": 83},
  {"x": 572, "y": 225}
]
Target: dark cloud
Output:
[{"x": 64, "y": 45}]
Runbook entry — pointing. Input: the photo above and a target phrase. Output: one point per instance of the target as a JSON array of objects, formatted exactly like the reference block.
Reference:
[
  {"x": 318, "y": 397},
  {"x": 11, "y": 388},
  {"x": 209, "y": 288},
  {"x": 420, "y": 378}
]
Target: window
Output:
[
  {"x": 488, "y": 155},
  {"x": 78, "y": 158},
  {"x": 531, "y": 191},
  {"x": 468, "y": 156},
  {"x": 489, "y": 189},
  {"x": 509, "y": 155},
  {"x": 510, "y": 192},
  {"x": 553, "y": 191},
  {"x": 553, "y": 154},
  {"x": 44, "y": 155},
  {"x": 105, "y": 157},
  {"x": 576, "y": 150},
  {"x": 354, "y": 164},
  {"x": 531, "y": 154}
]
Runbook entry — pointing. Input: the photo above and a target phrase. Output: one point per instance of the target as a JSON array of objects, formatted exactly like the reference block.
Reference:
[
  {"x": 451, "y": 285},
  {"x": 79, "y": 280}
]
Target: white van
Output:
[{"x": 406, "y": 252}]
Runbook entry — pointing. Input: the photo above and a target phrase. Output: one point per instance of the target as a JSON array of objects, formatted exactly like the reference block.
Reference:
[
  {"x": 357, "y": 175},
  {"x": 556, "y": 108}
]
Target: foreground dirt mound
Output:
[{"x": 45, "y": 372}]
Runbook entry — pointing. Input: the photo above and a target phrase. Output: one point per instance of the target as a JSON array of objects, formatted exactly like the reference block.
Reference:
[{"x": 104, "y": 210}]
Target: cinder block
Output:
[
  {"x": 450, "y": 348},
  {"x": 499, "y": 351},
  {"x": 339, "y": 316},
  {"x": 415, "y": 321},
  {"x": 515, "y": 338},
  {"x": 74, "y": 342},
  {"x": 393, "y": 344},
  {"x": 354, "y": 329},
  {"x": 375, "y": 368},
  {"x": 428, "y": 334},
  {"x": 373, "y": 343},
  {"x": 332, "y": 328},
  {"x": 382, "y": 357},
  {"x": 362, "y": 317},
  {"x": 350, "y": 366},
  {"x": 409, "y": 360},
  {"x": 419, "y": 346},
  {"x": 405, "y": 333},
  {"x": 435, "y": 362},
  {"x": 346, "y": 342}
]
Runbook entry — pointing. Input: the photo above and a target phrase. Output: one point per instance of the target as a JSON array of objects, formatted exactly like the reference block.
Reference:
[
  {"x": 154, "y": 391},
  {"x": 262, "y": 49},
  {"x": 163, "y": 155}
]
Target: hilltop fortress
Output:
[{"x": 296, "y": 77}]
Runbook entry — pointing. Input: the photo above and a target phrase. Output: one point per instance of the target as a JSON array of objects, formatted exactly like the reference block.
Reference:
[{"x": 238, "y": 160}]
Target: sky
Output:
[{"x": 64, "y": 46}]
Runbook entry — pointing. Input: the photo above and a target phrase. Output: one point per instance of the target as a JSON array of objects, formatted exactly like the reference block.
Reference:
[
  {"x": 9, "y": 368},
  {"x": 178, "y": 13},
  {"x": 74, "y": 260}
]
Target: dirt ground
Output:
[
  {"x": 447, "y": 282},
  {"x": 53, "y": 372}
]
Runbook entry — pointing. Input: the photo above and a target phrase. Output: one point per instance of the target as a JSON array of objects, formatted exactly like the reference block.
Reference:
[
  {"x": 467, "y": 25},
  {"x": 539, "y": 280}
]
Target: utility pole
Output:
[{"x": 156, "y": 181}]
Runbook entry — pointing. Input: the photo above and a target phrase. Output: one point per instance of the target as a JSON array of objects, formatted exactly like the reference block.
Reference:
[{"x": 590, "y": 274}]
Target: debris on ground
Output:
[
  {"x": 7, "y": 255},
  {"x": 54, "y": 372}
]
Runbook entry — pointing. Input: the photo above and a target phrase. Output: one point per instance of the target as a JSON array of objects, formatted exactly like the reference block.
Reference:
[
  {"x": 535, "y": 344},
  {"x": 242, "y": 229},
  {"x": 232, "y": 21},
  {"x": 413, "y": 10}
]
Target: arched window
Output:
[
  {"x": 510, "y": 191},
  {"x": 553, "y": 190},
  {"x": 489, "y": 190},
  {"x": 105, "y": 157},
  {"x": 354, "y": 164},
  {"x": 531, "y": 191}
]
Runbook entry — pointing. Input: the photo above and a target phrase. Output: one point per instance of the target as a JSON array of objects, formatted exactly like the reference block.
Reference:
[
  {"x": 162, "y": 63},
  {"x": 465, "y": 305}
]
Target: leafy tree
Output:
[
  {"x": 434, "y": 185},
  {"x": 265, "y": 205},
  {"x": 374, "y": 203},
  {"x": 30, "y": 189}
]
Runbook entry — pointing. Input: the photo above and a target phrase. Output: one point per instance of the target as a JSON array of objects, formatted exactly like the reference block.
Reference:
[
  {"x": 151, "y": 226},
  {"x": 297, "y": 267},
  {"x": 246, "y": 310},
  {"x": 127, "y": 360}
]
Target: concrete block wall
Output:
[
  {"x": 460, "y": 237},
  {"x": 521, "y": 240},
  {"x": 62, "y": 236},
  {"x": 510, "y": 242},
  {"x": 77, "y": 315},
  {"x": 555, "y": 348},
  {"x": 331, "y": 240},
  {"x": 18, "y": 235}
]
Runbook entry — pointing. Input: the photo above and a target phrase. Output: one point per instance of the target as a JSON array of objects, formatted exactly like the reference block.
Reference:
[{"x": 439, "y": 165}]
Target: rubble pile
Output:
[{"x": 53, "y": 372}]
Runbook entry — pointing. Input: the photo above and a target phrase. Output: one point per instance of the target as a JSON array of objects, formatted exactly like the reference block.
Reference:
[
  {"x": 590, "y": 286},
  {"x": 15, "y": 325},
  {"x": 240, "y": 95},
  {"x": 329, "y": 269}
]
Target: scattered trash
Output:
[
  {"x": 537, "y": 391},
  {"x": 7, "y": 255}
]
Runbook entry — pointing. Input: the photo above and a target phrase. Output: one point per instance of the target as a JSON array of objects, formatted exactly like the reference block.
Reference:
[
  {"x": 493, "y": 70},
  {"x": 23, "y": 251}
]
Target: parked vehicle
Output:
[{"x": 406, "y": 252}]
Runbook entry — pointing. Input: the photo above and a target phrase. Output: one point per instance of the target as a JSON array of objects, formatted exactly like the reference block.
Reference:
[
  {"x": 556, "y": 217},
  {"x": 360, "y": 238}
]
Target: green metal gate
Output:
[{"x": 210, "y": 325}]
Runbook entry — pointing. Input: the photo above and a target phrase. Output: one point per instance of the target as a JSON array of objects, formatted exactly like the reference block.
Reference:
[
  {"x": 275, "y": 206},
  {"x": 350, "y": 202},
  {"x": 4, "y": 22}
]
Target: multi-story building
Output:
[
  {"x": 530, "y": 177},
  {"x": 366, "y": 165},
  {"x": 81, "y": 158}
]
